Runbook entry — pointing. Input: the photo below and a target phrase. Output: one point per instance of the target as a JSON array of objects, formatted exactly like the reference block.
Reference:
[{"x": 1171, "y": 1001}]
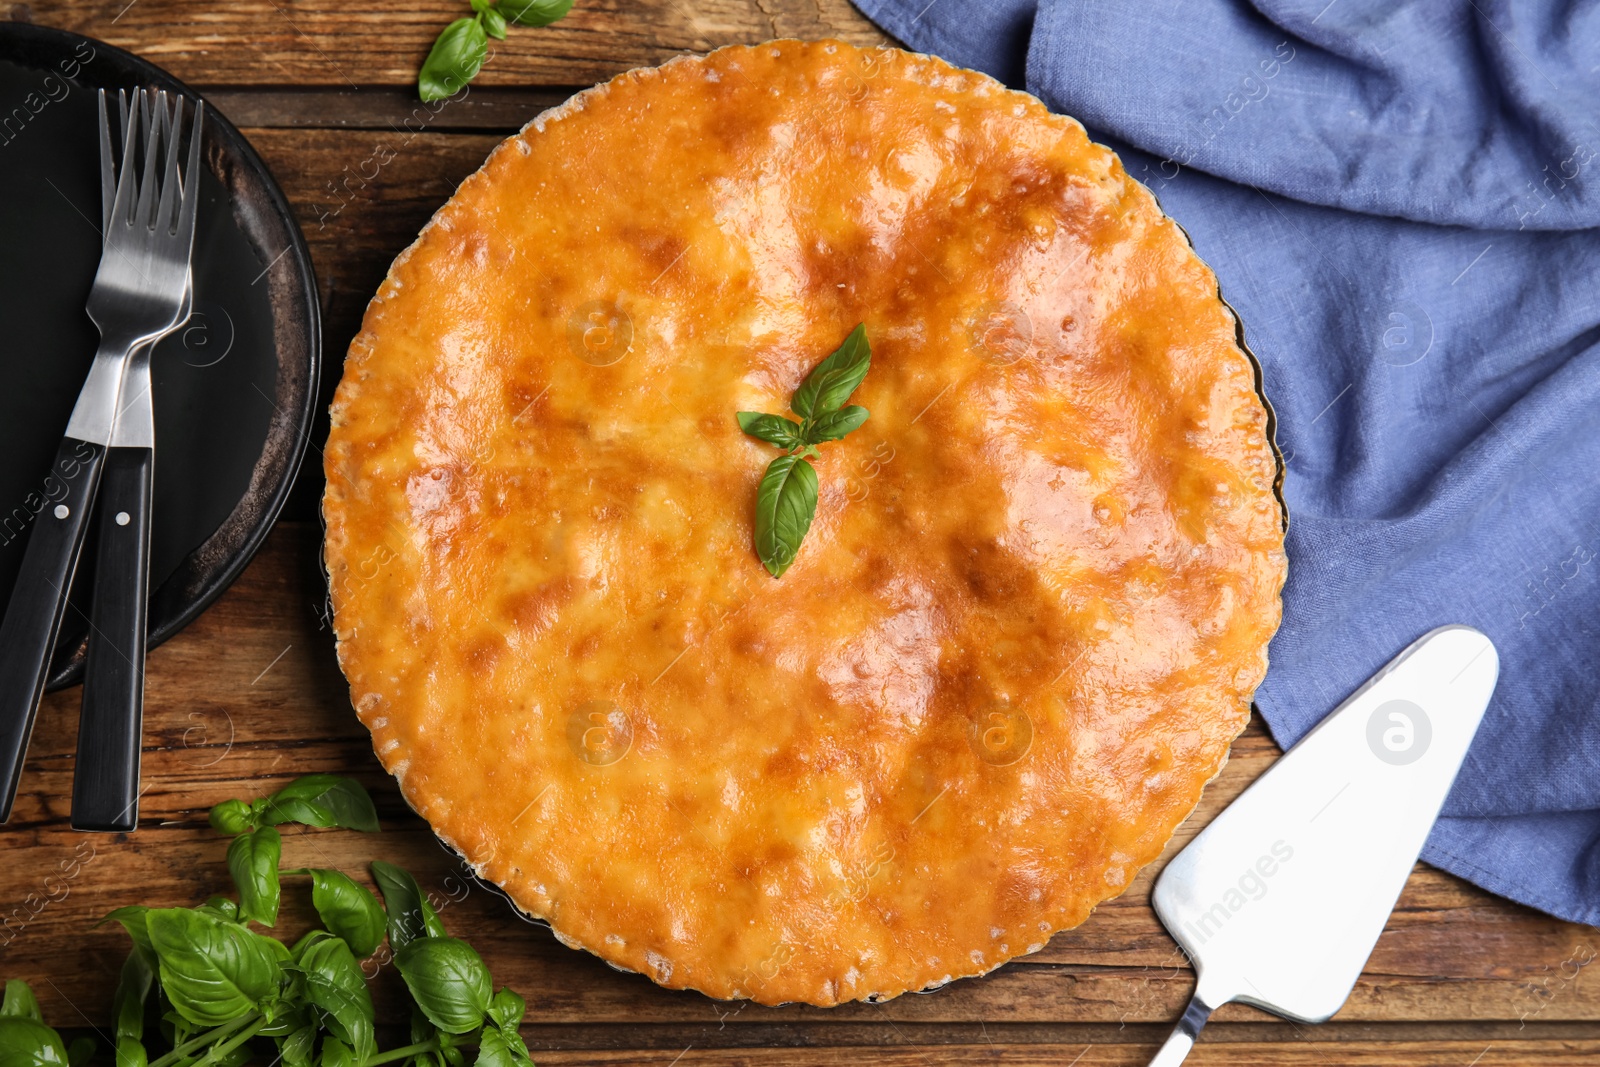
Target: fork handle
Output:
[
  {"x": 105, "y": 785},
  {"x": 39, "y": 599}
]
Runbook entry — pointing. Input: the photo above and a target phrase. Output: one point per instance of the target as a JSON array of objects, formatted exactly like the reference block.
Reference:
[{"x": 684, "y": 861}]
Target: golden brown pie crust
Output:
[{"x": 1027, "y": 621}]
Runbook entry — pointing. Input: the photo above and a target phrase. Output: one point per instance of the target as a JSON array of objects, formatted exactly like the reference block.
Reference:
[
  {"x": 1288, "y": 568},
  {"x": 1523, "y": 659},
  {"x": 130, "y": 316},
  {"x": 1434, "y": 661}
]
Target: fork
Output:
[
  {"x": 138, "y": 297},
  {"x": 105, "y": 783}
]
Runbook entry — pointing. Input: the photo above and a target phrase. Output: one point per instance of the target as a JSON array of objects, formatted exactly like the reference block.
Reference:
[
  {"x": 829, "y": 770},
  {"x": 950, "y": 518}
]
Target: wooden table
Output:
[{"x": 250, "y": 695}]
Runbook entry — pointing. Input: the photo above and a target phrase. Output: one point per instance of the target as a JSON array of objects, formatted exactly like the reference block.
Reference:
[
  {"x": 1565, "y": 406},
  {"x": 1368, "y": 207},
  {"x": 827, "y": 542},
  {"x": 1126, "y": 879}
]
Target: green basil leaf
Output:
[
  {"x": 271, "y": 811},
  {"x": 289, "y": 1014},
  {"x": 832, "y": 381},
  {"x": 20, "y": 1001},
  {"x": 348, "y": 909},
  {"x": 334, "y": 984},
  {"x": 296, "y": 1048},
  {"x": 835, "y": 424},
  {"x": 455, "y": 59},
  {"x": 410, "y": 914},
  {"x": 221, "y": 908},
  {"x": 321, "y": 800},
  {"x": 507, "y": 1009},
  {"x": 133, "y": 989},
  {"x": 25, "y": 1042},
  {"x": 494, "y": 24},
  {"x": 534, "y": 12},
  {"x": 232, "y": 817},
  {"x": 132, "y": 918},
  {"x": 785, "y": 504},
  {"x": 499, "y": 1048},
  {"x": 773, "y": 429},
  {"x": 80, "y": 1050},
  {"x": 336, "y": 1053},
  {"x": 253, "y": 862},
  {"x": 448, "y": 981},
  {"x": 212, "y": 971},
  {"x": 131, "y": 1053}
]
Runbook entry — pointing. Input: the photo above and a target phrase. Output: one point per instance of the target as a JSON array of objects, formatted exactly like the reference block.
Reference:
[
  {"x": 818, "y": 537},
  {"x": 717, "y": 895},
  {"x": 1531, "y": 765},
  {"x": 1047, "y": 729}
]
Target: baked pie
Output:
[{"x": 1031, "y": 610}]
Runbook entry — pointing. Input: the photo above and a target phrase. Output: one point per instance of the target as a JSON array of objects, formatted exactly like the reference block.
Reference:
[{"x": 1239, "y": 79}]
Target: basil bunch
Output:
[
  {"x": 786, "y": 501},
  {"x": 460, "y": 49},
  {"x": 212, "y": 983}
]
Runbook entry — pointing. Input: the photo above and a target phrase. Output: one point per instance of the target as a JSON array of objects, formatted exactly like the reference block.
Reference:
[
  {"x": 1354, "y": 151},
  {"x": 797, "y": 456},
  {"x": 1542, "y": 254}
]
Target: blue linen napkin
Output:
[{"x": 1402, "y": 201}]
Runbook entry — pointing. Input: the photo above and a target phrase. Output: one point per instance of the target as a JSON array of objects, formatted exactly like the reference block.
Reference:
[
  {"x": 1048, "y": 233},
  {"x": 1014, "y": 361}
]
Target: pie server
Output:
[{"x": 1279, "y": 901}]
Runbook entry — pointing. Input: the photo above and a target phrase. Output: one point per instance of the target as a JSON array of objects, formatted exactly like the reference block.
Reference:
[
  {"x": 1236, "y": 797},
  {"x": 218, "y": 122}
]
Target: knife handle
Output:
[
  {"x": 39, "y": 599},
  {"x": 105, "y": 785}
]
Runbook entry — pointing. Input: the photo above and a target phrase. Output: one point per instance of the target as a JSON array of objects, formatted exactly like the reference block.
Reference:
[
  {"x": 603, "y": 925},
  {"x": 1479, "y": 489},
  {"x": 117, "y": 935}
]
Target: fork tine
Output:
[
  {"x": 144, "y": 214},
  {"x": 172, "y": 121},
  {"x": 108, "y": 171},
  {"x": 191, "y": 196},
  {"x": 127, "y": 189}
]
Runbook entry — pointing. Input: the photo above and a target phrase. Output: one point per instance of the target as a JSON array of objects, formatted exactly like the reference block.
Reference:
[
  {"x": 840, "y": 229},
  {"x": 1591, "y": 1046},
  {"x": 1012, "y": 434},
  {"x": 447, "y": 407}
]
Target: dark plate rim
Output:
[{"x": 199, "y": 579}]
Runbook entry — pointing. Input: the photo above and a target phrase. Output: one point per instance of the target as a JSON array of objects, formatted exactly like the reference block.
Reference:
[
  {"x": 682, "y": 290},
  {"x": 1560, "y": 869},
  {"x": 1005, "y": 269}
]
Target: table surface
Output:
[{"x": 250, "y": 696}]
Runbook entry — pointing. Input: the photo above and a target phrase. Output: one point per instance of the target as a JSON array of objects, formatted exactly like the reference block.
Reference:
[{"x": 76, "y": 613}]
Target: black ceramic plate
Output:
[{"x": 234, "y": 389}]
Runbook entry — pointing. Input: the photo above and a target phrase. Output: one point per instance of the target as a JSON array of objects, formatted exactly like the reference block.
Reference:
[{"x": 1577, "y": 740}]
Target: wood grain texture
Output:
[
  {"x": 249, "y": 697},
  {"x": 326, "y": 42}
]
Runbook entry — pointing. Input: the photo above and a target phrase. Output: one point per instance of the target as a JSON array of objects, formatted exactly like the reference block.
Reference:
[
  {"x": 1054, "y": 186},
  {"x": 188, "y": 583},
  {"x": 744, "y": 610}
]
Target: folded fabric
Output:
[{"x": 1402, "y": 201}]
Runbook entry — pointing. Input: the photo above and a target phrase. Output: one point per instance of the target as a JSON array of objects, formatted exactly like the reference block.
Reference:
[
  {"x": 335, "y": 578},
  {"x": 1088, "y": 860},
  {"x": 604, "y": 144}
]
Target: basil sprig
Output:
[
  {"x": 786, "y": 500},
  {"x": 205, "y": 982},
  {"x": 459, "y": 51}
]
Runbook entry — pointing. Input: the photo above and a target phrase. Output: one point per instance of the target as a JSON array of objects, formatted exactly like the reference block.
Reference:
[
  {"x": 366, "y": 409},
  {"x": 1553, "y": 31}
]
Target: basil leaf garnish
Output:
[
  {"x": 835, "y": 424},
  {"x": 773, "y": 429},
  {"x": 455, "y": 59},
  {"x": 785, "y": 504},
  {"x": 786, "y": 500},
  {"x": 448, "y": 981},
  {"x": 832, "y": 381}
]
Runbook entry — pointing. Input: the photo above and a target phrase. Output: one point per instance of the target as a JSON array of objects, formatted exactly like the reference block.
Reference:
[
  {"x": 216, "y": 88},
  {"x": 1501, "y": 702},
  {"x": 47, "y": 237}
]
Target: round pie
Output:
[{"x": 1031, "y": 609}]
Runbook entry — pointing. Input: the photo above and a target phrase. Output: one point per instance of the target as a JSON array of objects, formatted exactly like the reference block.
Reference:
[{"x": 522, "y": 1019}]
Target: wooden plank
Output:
[
  {"x": 1452, "y": 1054},
  {"x": 250, "y": 696},
  {"x": 330, "y": 43}
]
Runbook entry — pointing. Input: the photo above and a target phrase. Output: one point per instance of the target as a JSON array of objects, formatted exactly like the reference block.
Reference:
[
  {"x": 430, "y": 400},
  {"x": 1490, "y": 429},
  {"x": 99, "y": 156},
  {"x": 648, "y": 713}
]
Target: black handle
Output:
[
  {"x": 33, "y": 616},
  {"x": 105, "y": 785}
]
